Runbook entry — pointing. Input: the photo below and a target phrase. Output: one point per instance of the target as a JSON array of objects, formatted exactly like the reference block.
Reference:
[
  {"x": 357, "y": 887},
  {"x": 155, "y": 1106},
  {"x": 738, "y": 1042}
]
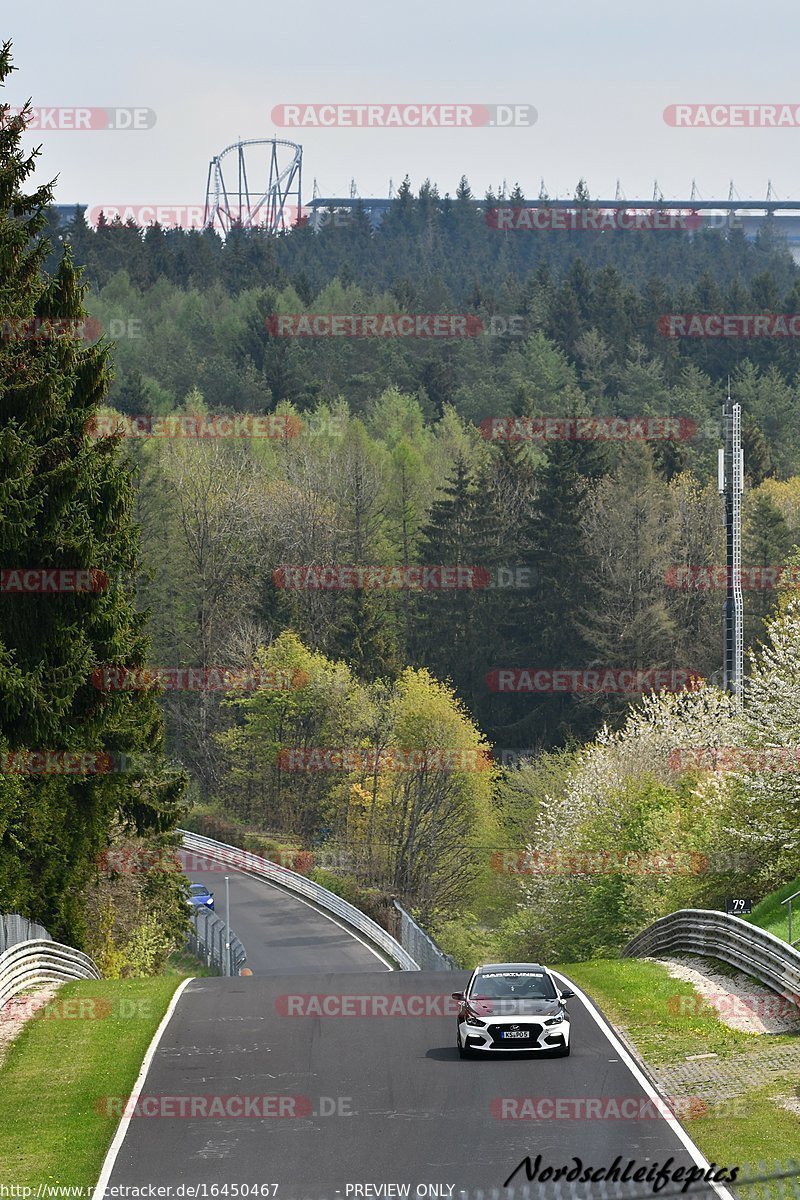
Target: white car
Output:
[{"x": 509, "y": 1007}]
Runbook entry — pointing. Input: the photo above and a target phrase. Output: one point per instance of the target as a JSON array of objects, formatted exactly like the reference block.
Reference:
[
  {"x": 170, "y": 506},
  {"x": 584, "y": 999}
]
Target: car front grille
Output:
[{"x": 496, "y": 1031}]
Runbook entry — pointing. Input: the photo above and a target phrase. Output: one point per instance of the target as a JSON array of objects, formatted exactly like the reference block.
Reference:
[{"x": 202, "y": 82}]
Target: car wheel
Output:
[{"x": 463, "y": 1051}]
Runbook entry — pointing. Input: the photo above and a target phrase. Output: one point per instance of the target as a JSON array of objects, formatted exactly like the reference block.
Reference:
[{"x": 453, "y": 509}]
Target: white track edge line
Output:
[
  {"x": 119, "y": 1137},
  {"x": 645, "y": 1083}
]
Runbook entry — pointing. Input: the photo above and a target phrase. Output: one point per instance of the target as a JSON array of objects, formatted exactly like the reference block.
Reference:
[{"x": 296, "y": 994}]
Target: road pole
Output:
[
  {"x": 227, "y": 926},
  {"x": 731, "y": 486}
]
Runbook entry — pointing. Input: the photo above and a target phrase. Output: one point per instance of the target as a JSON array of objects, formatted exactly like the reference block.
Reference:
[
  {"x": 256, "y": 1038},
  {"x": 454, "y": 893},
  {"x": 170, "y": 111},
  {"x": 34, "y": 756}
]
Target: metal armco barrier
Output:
[
  {"x": 420, "y": 945},
  {"x": 41, "y": 961},
  {"x": 244, "y": 860},
  {"x": 207, "y": 941},
  {"x": 714, "y": 934},
  {"x": 14, "y": 929}
]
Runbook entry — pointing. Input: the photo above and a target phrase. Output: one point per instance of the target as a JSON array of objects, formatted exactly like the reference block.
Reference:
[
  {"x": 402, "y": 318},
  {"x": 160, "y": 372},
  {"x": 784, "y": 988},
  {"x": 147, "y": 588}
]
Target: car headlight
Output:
[
  {"x": 556, "y": 1020},
  {"x": 472, "y": 1018}
]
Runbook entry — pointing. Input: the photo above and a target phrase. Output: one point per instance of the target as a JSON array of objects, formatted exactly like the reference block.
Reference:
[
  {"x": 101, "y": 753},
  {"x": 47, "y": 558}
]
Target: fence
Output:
[
  {"x": 14, "y": 929},
  {"x": 756, "y": 1181},
  {"x": 243, "y": 860},
  {"x": 207, "y": 942},
  {"x": 420, "y": 945},
  {"x": 36, "y": 961},
  {"x": 716, "y": 935}
]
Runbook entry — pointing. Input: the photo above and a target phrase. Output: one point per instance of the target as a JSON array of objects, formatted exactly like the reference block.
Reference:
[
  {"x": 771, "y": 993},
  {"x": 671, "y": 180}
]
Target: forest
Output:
[{"x": 398, "y": 525}]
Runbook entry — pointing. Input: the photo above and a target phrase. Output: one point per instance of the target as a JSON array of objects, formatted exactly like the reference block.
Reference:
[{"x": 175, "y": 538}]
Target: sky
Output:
[{"x": 599, "y": 76}]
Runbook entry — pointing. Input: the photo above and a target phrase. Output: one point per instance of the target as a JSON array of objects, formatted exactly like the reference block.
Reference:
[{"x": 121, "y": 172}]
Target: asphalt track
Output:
[
  {"x": 367, "y": 1099},
  {"x": 279, "y": 932}
]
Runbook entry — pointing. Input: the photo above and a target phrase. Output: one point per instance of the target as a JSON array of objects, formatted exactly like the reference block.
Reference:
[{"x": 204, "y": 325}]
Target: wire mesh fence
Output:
[
  {"x": 422, "y": 948},
  {"x": 208, "y": 941},
  {"x": 15, "y": 929},
  {"x": 753, "y": 1181}
]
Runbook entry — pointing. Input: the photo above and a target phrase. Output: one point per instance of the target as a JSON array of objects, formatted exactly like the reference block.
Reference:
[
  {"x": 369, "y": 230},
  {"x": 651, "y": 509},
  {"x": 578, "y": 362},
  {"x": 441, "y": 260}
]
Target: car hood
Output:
[{"x": 508, "y": 1007}]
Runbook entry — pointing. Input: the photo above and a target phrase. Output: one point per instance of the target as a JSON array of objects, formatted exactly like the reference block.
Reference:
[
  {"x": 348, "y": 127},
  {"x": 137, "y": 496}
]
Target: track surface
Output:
[
  {"x": 382, "y": 1100},
  {"x": 279, "y": 932}
]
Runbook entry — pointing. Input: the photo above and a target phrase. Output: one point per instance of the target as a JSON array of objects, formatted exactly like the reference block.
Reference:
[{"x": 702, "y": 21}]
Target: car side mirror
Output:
[
  {"x": 567, "y": 994},
  {"x": 457, "y": 995}
]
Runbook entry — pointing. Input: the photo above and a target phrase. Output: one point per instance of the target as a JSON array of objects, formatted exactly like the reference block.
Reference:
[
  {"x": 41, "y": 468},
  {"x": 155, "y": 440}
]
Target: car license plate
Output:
[{"x": 514, "y": 1033}]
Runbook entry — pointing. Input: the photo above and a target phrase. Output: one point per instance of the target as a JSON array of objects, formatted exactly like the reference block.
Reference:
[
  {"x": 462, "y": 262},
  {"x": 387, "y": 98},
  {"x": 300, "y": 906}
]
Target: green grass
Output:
[
  {"x": 771, "y": 915},
  {"x": 638, "y": 996},
  {"x": 764, "y": 1132},
  {"x": 185, "y": 966},
  {"x": 645, "y": 1000},
  {"x": 58, "y": 1072}
]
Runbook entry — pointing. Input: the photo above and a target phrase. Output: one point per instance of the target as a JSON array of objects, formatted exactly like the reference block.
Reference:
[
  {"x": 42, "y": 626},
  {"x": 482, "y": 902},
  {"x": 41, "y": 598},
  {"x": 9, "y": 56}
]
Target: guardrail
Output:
[
  {"x": 208, "y": 941},
  {"x": 420, "y": 945},
  {"x": 716, "y": 935},
  {"x": 41, "y": 961},
  {"x": 243, "y": 860}
]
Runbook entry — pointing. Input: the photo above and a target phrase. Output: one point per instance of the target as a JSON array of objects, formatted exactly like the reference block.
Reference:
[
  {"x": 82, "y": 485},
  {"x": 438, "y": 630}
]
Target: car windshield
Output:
[
  {"x": 511, "y": 985},
  {"x": 199, "y": 889}
]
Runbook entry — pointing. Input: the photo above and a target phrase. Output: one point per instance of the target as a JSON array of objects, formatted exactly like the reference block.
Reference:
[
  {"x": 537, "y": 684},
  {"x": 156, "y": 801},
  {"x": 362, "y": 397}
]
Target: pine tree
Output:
[
  {"x": 454, "y": 623},
  {"x": 65, "y": 504},
  {"x": 766, "y": 542},
  {"x": 561, "y": 566}
]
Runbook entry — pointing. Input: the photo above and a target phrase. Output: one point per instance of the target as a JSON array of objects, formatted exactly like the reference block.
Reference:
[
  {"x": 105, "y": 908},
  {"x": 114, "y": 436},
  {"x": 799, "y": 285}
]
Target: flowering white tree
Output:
[
  {"x": 597, "y": 849},
  {"x": 770, "y": 805}
]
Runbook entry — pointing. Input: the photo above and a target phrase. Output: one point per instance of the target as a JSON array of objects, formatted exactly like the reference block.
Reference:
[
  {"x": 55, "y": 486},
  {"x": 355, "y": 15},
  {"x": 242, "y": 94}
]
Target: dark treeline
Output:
[{"x": 202, "y": 301}]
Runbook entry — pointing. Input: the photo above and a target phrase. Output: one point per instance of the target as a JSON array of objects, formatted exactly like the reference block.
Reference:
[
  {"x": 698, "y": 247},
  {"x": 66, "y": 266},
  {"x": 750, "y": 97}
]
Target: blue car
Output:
[{"x": 200, "y": 896}]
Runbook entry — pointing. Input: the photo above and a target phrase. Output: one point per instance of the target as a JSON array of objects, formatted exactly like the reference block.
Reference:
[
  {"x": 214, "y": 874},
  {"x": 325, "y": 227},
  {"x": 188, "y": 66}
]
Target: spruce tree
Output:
[{"x": 65, "y": 504}]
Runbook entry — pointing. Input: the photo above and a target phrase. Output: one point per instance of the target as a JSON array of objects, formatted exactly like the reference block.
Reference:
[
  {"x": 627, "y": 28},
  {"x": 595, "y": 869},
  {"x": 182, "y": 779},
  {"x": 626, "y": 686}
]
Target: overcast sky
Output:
[{"x": 599, "y": 75}]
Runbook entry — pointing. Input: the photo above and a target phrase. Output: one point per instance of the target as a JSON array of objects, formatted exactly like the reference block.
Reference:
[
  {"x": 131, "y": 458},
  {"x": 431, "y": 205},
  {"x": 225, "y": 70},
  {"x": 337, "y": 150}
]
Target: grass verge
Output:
[
  {"x": 771, "y": 915},
  {"x": 767, "y": 1133},
  {"x": 58, "y": 1072},
  {"x": 639, "y": 997},
  {"x": 183, "y": 965}
]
